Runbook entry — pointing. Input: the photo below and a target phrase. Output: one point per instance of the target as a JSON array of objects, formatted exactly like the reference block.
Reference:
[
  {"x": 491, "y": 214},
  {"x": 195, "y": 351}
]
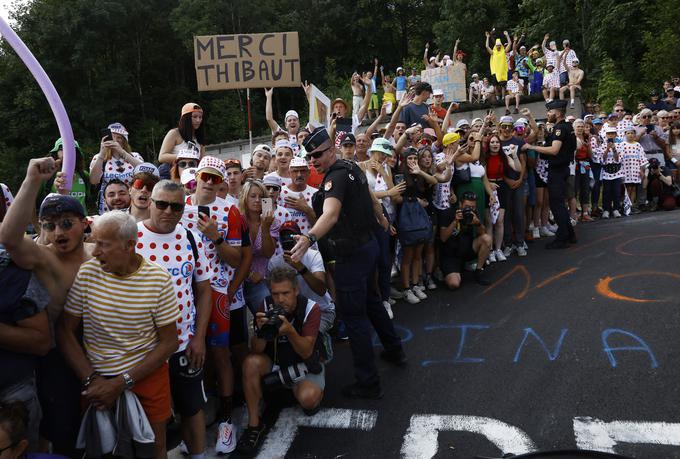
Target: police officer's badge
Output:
[
  {"x": 328, "y": 185},
  {"x": 351, "y": 177},
  {"x": 558, "y": 132}
]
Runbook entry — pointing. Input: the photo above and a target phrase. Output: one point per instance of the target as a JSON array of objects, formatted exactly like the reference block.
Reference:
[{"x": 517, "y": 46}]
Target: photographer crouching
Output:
[
  {"x": 464, "y": 238},
  {"x": 284, "y": 352}
]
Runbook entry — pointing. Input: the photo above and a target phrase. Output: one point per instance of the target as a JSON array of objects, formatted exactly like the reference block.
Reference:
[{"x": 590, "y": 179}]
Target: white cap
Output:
[
  {"x": 264, "y": 148},
  {"x": 474, "y": 75},
  {"x": 438, "y": 92},
  {"x": 188, "y": 175},
  {"x": 189, "y": 153},
  {"x": 298, "y": 162},
  {"x": 400, "y": 68},
  {"x": 282, "y": 144},
  {"x": 291, "y": 113},
  {"x": 523, "y": 121},
  {"x": 432, "y": 58},
  {"x": 147, "y": 168},
  {"x": 462, "y": 123},
  {"x": 610, "y": 130},
  {"x": 446, "y": 57}
]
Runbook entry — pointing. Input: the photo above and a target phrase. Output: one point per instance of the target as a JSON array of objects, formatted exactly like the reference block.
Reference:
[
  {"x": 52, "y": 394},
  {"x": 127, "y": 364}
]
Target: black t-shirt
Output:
[
  {"x": 455, "y": 243},
  {"x": 512, "y": 146},
  {"x": 346, "y": 182},
  {"x": 563, "y": 132}
]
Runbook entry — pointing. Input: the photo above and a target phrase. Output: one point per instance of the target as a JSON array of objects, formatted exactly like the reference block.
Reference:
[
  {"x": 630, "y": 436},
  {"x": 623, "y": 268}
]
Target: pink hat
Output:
[{"x": 215, "y": 166}]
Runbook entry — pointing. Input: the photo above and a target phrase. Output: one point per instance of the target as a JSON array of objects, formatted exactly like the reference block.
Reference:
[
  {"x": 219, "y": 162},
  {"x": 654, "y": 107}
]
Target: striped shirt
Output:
[{"x": 121, "y": 315}]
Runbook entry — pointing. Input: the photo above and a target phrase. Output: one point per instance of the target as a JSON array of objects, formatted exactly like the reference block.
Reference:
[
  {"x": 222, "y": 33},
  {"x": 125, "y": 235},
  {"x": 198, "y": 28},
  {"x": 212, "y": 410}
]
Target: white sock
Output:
[{"x": 572, "y": 101}]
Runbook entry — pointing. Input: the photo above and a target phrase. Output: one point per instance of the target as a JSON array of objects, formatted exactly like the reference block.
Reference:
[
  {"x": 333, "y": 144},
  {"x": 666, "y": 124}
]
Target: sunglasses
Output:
[
  {"x": 207, "y": 176},
  {"x": 618, "y": 111},
  {"x": 316, "y": 154},
  {"x": 273, "y": 188},
  {"x": 506, "y": 126},
  {"x": 645, "y": 116},
  {"x": 186, "y": 164},
  {"x": 138, "y": 184},
  {"x": 174, "y": 206},
  {"x": 65, "y": 224},
  {"x": 232, "y": 162}
]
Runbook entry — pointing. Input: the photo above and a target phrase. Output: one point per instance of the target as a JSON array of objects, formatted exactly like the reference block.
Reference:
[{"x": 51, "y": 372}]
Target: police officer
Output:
[
  {"x": 560, "y": 148},
  {"x": 346, "y": 212}
]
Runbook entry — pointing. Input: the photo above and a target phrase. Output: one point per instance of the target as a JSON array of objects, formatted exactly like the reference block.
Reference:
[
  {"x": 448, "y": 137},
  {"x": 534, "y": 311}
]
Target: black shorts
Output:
[
  {"x": 327, "y": 252},
  {"x": 59, "y": 394},
  {"x": 238, "y": 334},
  {"x": 186, "y": 386},
  {"x": 451, "y": 263},
  {"x": 539, "y": 182}
]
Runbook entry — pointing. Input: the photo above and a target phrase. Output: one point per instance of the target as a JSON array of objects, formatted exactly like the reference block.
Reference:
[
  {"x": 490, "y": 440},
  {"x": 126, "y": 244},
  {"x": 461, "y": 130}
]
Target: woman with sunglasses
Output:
[
  {"x": 115, "y": 160},
  {"x": 186, "y": 159},
  {"x": 145, "y": 178},
  {"x": 188, "y": 135},
  {"x": 264, "y": 234}
]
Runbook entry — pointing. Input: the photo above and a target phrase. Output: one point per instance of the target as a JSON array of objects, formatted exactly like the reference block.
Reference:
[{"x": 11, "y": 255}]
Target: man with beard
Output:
[
  {"x": 54, "y": 267},
  {"x": 297, "y": 197},
  {"x": 144, "y": 178},
  {"x": 259, "y": 162},
  {"x": 116, "y": 195},
  {"x": 560, "y": 147},
  {"x": 347, "y": 213}
]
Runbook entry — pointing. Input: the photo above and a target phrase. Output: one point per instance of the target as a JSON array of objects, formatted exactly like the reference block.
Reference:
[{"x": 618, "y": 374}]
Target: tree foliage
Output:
[{"x": 132, "y": 61}]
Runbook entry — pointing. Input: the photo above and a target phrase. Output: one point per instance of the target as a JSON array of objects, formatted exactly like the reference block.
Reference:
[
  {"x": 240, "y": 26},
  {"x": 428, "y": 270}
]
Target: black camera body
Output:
[
  {"x": 468, "y": 215},
  {"x": 270, "y": 329},
  {"x": 289, "y": 376},
  {"x": 287, "y": 240}
]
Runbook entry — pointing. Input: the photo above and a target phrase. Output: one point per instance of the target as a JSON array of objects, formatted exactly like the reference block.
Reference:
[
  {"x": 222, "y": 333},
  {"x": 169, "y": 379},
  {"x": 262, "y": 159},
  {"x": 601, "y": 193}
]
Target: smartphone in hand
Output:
[
  {"x": 267, "y": 205},
  {"x": 204, "y": 210},
  {"x": 106, "y": 134}
]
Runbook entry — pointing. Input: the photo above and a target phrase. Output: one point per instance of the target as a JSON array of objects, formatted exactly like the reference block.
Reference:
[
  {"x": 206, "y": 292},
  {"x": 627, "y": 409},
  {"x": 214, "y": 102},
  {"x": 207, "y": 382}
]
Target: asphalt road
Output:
[{"x": 567, "y": 349}]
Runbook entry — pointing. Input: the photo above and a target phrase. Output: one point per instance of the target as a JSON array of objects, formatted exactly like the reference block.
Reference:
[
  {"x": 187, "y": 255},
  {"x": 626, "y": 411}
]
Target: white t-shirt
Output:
[
  {"x": 297, "y": 216},
  {"x": 173, "y": 252},
  {"x": 114, "y": 169},
  {"x": 313, "y": 261},
  {"x": 228, "y": 220},
  {"x": 7, "y": 195}
]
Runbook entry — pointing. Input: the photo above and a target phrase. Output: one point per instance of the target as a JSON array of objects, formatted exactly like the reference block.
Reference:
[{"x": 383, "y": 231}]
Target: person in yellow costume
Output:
[{"x": 498, "y": 61}]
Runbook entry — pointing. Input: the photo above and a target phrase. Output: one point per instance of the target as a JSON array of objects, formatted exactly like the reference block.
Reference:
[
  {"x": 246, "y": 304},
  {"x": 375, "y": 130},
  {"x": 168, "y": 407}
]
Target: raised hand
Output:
[{"x": 42, "y": 168}]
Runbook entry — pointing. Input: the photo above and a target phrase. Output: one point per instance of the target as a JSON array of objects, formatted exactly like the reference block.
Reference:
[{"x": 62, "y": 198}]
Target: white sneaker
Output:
[
  {"x": 419, "y": 291},
  {"x": 605, "y": 214},
  {"x": 508, "y": 250},
  {"x": 392, "y": 301},
  {"x": 521, "y": 251},
  {"x": 388, "y": 308},
  {"x": 616, "y": 214},
  {"x": 500, "y": 256},
  {"x": 573, "y": 221},
  {"x": 430, "y": 284},
  {"x": 492, "y": 256},
  {"x": 536, "y": 233},
  {"x": 545, "y": 232},
  {"x": 410, "y": 297},
  {"x": 226, "y": 438},
  {"x": 552, "y": 228},
  {"x": 183, "y": 448}
]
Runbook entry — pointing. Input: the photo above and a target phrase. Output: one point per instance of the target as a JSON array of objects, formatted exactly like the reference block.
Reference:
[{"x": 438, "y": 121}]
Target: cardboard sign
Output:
[
  {"x": 450, "y": 79},
  {"x": 260, "y": 60},
  {"x": 319, "y": 107}
]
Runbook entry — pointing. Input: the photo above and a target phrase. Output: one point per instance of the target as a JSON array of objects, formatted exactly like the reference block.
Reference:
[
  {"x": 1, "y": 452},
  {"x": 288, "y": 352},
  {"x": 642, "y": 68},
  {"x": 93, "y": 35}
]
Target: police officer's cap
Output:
[
  {"x": 318, "y": 138},
  {"x": 556, "y": 105}
]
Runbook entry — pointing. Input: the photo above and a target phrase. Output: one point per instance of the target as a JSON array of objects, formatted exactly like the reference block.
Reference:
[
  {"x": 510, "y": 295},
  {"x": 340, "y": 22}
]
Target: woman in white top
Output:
[
  {"x": 380, "y": 183},
  {"x": 115, "y": 160},
  {"x": 673, "y": 149},
  {"x": 189, "y": 134}
]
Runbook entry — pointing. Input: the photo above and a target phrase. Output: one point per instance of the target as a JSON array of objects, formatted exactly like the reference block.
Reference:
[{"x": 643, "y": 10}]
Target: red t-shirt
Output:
[{"x": 494, "y": 167}]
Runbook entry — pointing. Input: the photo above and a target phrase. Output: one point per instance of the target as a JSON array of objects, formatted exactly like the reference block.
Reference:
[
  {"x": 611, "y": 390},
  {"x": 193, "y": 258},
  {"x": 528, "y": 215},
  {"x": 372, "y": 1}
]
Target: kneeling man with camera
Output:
[
  {"x": 463, "y": 238},
  {"x": 284, "y": 352}
]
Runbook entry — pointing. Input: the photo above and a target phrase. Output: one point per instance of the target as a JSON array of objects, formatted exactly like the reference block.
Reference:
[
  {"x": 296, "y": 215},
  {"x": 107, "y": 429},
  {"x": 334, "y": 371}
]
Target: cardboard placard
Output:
[
  {"x": 450, "y": 79},
  {"x": 260, "y": 60},
  {"x": 319, "y": 107}
]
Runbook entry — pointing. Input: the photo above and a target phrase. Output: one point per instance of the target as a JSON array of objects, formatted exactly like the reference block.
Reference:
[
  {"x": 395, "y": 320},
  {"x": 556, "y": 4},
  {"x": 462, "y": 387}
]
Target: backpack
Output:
[{"x": 414, "y": 225}]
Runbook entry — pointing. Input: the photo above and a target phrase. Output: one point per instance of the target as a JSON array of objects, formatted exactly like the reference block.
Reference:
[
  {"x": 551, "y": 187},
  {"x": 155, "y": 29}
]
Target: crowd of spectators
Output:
[{"x": 196, "y": 262}]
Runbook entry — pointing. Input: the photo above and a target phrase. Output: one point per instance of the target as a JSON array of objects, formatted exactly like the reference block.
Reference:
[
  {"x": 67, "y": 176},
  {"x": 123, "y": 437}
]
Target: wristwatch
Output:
[
  {"x": 129, "y": 382},
  {"x": 312, "y": 238},
  {"x": 219, "y": 240}
]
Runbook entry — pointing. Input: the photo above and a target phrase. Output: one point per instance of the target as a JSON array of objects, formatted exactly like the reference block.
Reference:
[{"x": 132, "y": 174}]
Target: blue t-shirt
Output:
[
  {"x": 413, "y": 113},
  {"x": 400, "y": 82}
]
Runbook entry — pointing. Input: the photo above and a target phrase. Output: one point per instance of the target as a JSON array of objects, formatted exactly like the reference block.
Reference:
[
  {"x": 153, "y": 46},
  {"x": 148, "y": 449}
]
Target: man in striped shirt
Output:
[{"x": 128, "y": 309}]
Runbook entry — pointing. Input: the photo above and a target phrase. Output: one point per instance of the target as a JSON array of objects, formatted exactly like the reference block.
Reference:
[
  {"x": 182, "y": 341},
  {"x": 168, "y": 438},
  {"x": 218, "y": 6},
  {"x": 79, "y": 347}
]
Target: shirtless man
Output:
[
  {"x": 575, "y": 78},
  {"x": 55, "y": 266}
]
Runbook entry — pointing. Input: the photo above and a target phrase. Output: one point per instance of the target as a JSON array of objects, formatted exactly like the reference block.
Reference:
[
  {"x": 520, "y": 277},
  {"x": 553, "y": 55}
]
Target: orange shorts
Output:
[{"x": 153, "y": 393}]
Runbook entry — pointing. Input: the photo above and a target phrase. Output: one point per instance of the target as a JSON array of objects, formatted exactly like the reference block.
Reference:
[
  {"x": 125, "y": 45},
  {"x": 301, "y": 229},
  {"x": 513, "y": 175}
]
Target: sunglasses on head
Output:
[
  {"x": 174, "y": 206},
  {"x": 65, "y": 224},
  {"x": 207, "y": 176},
  {"x": 186, "y": 164},
  {"x": 138, "y": 184},
  {"x": 232, "y": 163}
]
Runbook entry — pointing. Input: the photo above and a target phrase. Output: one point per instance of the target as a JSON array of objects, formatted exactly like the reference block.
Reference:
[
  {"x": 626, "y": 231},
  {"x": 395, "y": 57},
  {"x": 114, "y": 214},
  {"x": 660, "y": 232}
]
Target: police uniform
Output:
[
  {"x": 558, "y": 174},
  {"x": 356, "y": 253}
]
